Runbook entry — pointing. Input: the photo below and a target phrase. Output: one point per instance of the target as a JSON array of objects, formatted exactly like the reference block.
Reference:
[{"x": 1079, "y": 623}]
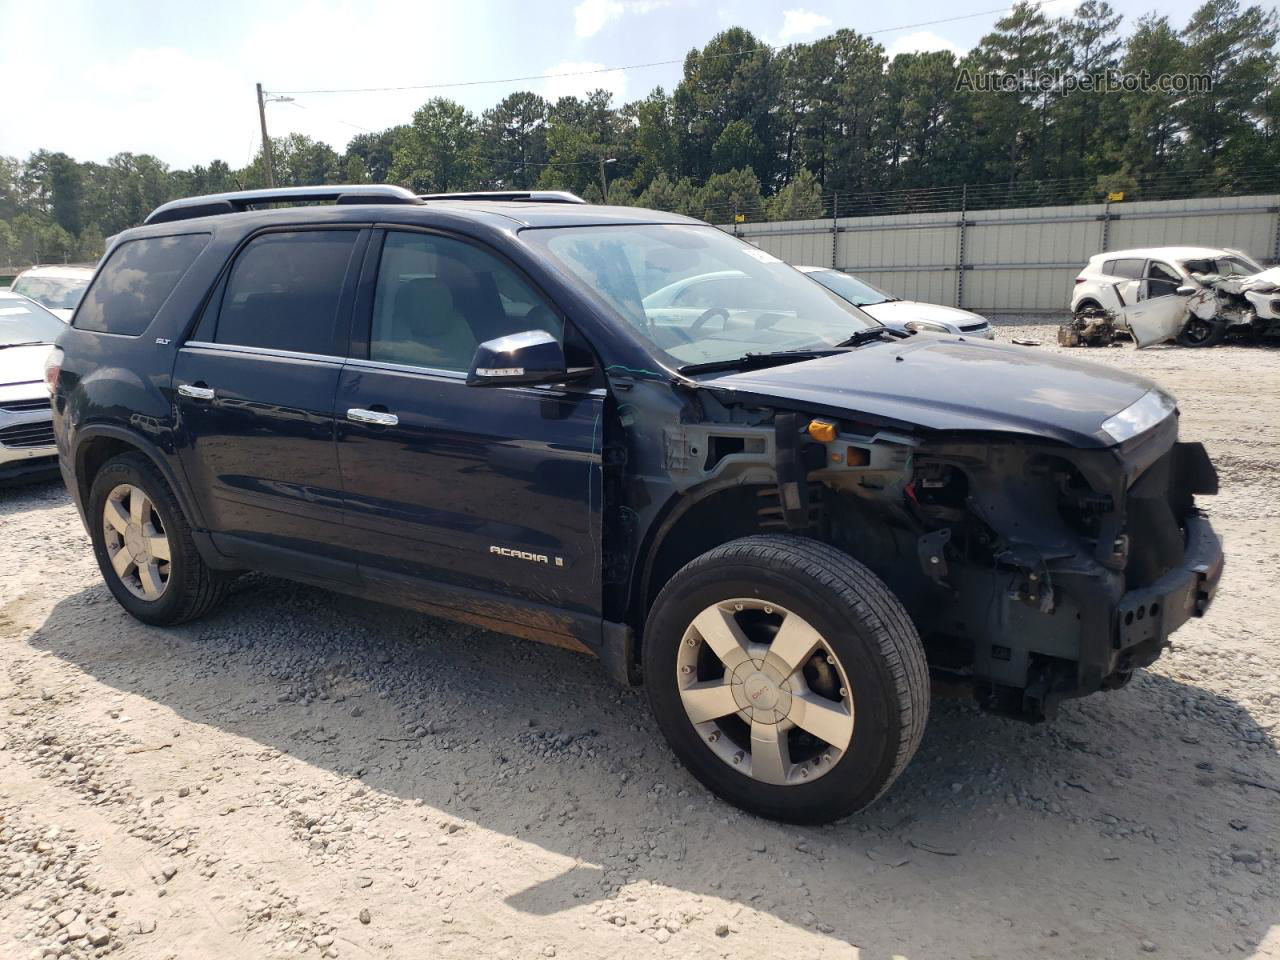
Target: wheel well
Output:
[
  {"x": 691, "y": 532},
  {"x": 92, "y": 454},
  {"x": 1088, "y": 302}
]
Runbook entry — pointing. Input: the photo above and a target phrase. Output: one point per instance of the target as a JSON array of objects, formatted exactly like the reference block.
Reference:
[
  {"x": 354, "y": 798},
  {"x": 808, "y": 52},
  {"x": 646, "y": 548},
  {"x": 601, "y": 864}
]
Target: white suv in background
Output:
[{"x": 1145, "y": 287}]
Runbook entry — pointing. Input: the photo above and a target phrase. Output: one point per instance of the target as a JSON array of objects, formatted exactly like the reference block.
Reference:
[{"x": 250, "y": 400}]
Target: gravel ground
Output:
[{"x": 306, "y": 774}]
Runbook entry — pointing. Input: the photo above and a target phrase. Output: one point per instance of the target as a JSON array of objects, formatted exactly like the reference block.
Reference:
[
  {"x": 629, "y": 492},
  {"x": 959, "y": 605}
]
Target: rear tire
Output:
[
  {"x": 809, "y": 746},
  {"x": 1085, "y": 307},
  {"x": 134, "y": 521}
]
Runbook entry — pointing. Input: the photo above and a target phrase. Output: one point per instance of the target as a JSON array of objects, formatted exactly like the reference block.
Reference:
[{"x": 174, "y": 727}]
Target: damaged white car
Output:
[{"x": 1194, "y": 295}]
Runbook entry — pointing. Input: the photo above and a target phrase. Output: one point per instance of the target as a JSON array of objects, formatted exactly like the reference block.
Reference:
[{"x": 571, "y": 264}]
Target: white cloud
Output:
[
  {"x": 592, "y": 16},
  {"x": 801, "y": 23},
  {"x": 567, "y": 79},
  {"x": 922, "y": 41}
]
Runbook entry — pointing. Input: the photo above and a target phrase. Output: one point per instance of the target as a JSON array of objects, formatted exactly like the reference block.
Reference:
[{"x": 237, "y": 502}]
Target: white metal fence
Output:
[{"x": 1014, "y": 260}]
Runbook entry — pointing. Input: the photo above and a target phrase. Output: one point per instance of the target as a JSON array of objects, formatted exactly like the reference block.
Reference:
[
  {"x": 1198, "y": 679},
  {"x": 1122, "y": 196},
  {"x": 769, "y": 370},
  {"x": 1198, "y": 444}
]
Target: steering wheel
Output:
[{"x": 707, "y": 315}]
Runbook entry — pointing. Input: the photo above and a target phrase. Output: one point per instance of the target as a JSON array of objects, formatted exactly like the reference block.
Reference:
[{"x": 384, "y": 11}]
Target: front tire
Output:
[
  {"x": 786, "y": 677},
  {"x": 144, "y": 547},
  {"x": 1202, "y": 333}
]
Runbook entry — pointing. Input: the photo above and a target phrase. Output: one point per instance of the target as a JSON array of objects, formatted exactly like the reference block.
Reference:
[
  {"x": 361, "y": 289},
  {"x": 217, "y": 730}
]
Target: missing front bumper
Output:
[{"x": 1144, "y": 618}]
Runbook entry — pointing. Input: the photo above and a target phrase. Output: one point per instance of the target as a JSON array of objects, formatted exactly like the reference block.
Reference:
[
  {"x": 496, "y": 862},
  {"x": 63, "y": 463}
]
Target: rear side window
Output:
[
  {"x": 135, "y": 282},
  {"x": 1129, "y": 269},
  {"x": 283, "y": 291}
]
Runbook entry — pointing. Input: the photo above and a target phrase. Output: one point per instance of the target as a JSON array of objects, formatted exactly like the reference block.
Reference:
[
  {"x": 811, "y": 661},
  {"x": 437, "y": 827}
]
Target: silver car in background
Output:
[
  {"x": 27, "y": 333},
  {"x": 910, "y": 316}
]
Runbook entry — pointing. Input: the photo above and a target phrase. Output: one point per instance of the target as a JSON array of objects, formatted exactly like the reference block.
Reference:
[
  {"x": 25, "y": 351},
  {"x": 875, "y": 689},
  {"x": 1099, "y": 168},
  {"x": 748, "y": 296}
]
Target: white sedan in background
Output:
[
  {"x": 731, "y": 289},
  {"x": 910, "y": 316},
  {"x": 57, "y": 289},
  {"x": 27, "y": 332}
]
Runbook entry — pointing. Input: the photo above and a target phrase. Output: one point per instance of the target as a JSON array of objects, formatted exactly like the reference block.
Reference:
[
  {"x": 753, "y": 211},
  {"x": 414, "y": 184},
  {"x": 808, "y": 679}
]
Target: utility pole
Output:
[
  {"x": 266, "y": 141},
  {"x": 604, "y": 183}
]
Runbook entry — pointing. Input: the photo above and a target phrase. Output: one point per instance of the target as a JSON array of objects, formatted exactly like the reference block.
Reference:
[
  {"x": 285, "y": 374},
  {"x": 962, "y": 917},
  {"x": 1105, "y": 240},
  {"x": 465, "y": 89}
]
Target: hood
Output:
[
  {"x": 62, "y": 313},
  {"x": 894, "y": 313},
  {"x": 949, "y": 384},
  {"x": 23, "y": 364}
]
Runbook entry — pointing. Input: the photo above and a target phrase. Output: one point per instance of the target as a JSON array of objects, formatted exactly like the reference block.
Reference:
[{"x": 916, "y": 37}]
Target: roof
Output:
[
  {"x": 64, "y": 271},
  {"x": 502, "y": 216},
  {"x": 1171, "y": 253},
  {"x": 561, "y": 214},
  {"x": 532, "y": 208}
]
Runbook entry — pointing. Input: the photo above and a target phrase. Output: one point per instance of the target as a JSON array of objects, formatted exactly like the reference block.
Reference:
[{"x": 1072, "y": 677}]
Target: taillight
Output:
[
  {"x": 53, "y": 370},
  {"x": 1080, "y": 279}
]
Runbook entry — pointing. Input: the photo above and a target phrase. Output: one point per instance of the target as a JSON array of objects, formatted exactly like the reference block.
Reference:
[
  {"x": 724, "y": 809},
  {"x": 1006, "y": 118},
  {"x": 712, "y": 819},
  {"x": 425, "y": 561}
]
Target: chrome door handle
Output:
[
  {"x": 379, "y": 417},
  {"x": 196, "y": 393}
]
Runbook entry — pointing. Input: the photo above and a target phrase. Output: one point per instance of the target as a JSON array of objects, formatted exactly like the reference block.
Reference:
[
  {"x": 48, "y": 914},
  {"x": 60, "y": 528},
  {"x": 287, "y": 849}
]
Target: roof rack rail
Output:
[
  {"x": 529, "y": 196},
  {"x": 241, "y": 200}
]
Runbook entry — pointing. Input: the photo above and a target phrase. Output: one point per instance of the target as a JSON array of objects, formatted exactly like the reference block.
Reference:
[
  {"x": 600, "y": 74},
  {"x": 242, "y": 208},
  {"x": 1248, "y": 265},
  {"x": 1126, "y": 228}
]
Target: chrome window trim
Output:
[
  {"x": 264, "y": 352},
  {"x": 388, "y": 367},
  {"x": 405, "y": 368}
]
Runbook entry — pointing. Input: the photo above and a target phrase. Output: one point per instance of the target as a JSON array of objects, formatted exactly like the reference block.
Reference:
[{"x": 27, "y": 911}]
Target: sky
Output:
[{"x": 177, "y": 79}]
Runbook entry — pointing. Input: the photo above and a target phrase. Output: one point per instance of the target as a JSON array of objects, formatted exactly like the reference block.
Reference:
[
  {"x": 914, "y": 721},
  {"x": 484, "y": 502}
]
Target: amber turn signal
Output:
[{"x": 824, "y": 431}]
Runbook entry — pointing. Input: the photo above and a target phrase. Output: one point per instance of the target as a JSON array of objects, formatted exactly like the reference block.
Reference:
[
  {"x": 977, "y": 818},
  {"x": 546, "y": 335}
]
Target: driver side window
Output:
[
  {"x": 1161, "y": 281},
  {"x": 437, "y": 299}
]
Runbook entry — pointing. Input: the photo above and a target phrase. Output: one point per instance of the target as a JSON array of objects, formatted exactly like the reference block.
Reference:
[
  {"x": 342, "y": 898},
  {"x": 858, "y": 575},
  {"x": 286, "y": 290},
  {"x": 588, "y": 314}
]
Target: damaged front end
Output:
[
  {"x": 1035, "y": 572},
  {"x": 1229, "y": 303},
  {"x": 1036, "y": 517}
]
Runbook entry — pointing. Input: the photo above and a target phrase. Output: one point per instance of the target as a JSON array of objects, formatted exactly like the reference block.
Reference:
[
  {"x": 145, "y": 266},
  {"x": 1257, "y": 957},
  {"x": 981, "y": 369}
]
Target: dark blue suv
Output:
[{"x": 633, "y": 435}]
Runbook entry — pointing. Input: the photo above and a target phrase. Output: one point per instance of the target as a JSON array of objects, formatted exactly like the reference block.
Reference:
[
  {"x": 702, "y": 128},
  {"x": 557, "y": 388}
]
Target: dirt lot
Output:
[{"x": 306, "y": 774}]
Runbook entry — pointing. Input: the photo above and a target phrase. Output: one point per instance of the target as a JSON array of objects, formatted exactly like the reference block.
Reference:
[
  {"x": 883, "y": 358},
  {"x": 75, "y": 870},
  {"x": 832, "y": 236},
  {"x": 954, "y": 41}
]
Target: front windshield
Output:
[
  {"x": 857, "y": 292},
  {"x": 22, "y": 322},
  {"x": 56, "y": 293},
  {"x": 700, "y": 295}
]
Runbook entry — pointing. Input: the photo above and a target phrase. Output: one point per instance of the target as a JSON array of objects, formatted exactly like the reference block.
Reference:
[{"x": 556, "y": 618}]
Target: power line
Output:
[
  {"x": 639, "y": 66},
  {"x": 330, "y": 117}
]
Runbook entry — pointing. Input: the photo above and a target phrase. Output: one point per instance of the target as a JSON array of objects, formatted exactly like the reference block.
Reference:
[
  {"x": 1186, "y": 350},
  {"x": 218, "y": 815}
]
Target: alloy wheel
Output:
[
  {"x": 1198, "y": 331},
  {"x": 765, "y": 691},
  {"x": 136, "y": 542}
]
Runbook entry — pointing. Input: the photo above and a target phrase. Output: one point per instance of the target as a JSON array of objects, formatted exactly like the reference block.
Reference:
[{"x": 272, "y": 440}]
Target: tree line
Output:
[{"x": 767, "y": 133}]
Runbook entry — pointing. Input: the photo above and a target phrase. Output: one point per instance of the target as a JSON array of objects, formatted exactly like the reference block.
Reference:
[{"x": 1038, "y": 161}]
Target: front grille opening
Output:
[
  {"x": 27, "y": 435},
  {"x": 24, "y": 406}
]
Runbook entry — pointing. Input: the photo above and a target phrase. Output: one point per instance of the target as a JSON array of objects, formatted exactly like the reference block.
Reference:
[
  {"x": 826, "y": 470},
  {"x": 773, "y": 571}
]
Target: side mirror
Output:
[
  {"x": 534, "y": 356},
  {"x": 1185, "y": 290}
]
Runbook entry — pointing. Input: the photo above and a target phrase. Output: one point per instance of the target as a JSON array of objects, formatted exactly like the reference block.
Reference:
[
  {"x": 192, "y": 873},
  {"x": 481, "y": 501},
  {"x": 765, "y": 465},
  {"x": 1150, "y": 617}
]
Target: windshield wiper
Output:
[
  {"x": 25, "y": 343},
  {"x": 865, "y": 336},
  {"x": 752, "y": 361}
]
